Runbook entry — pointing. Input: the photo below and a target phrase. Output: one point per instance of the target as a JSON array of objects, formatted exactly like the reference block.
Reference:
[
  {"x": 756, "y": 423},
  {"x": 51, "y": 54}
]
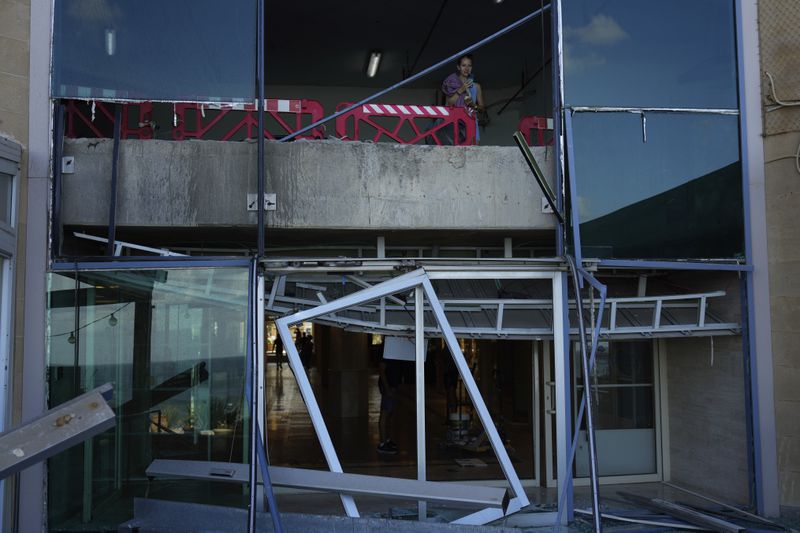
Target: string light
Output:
[{"x": 112, "y": 321}]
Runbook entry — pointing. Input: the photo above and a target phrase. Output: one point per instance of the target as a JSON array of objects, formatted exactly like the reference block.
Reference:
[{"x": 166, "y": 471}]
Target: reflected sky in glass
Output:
[
  {"x": 650, "y": 53},
  {"x": 174, "y": 50},
  {"x": 678, "y": 195}
]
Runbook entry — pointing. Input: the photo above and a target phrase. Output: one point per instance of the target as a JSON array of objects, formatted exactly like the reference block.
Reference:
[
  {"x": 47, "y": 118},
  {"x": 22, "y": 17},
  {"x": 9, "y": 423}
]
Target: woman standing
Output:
[{"x": 461, "y": 90}]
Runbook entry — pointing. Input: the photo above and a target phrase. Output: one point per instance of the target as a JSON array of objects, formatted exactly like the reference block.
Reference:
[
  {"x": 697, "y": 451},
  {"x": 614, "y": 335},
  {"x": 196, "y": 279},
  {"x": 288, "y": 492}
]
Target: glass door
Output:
[{"x": 624, "y": 389}]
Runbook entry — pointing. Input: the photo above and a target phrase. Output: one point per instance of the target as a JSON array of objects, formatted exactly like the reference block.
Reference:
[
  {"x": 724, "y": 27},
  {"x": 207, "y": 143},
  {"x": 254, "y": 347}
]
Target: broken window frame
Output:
[
  {"x": 185, "y": 264},
  {"x": 574, "y": 218},
  {"x": 763, "y": 475},
  {"x": 112, "y": 22}
]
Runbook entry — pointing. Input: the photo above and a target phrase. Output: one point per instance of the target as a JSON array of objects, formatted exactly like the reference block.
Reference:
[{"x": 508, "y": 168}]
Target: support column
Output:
[
  {"x": 347, "y": 355},
  {"x": 419, "y": 359}
]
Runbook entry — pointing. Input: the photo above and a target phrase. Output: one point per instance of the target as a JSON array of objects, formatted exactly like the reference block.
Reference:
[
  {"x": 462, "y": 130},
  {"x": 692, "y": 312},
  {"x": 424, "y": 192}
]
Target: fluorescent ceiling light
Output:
[
  {"x": 111, "y": 42},
  {"x": 374, "y": 63}
]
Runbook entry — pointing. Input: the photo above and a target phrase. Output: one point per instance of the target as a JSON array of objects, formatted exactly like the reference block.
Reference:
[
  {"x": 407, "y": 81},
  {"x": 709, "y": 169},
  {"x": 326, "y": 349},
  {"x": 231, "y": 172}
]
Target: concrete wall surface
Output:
[
  {"x": 15, "y": 32},
  {"x": 707, "y": 430},
  {"x": 780, "y": 56},
  {"x": 783, "y": 218},
  {"x": 15, "y": 19},
  {"x": 319, "y": 185}
]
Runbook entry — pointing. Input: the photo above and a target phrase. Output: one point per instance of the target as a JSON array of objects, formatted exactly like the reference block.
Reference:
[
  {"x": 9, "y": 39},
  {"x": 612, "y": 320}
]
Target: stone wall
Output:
[{"x": 319, "y": 185}]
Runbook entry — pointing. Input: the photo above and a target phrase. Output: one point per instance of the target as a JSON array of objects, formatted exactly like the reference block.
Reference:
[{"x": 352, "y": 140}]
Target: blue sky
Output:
[
  {"x": 648, "y": 53},
  {"x": 679, "y": 53}
]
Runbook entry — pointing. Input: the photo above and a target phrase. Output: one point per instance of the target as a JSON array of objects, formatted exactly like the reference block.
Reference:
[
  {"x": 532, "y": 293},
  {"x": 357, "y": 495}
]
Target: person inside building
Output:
[
  {"x": 307, "y": 351},
  {"x": 278, "y": 351},
  {"x": 461, "y": 90},
  {"x": 389, "y": 377}
]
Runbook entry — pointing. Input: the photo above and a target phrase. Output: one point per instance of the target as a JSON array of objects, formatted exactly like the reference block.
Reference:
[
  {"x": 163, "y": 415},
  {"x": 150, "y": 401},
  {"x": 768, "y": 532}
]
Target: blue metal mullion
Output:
[
  {"x": 573, "y": 192},
  {"x": 260, "y": 58},
  {"x": 558, "y": 136},
  {"x": 603, "y": 290},
  {"x": 157, "y": 263},
  {"x": 58, "y": 149},
  {"x": 748, "y": 392},
  {"x": 674, "y": 265},
  {"x": 264, "y": 464},
  {"x": 751, "y": 407},
  {"x": 112, "y": 204},
  {"x": 565, "y": 508},
  {"x": 250, "y": 397}
]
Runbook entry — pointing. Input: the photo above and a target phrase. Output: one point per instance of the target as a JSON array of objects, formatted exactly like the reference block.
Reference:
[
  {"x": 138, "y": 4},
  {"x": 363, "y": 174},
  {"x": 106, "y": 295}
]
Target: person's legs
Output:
[
  {"x": 388, "y": 402},
  {"x": 383, "y": 422}
]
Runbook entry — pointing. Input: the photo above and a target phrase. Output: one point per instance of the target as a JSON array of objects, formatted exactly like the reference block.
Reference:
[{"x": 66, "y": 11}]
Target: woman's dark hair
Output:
[{"x": 467, "y": 56}]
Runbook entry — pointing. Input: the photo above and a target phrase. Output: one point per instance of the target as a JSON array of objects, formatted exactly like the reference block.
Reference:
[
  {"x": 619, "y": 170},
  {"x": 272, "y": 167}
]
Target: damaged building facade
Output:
[{"x": 403, "y": 229}]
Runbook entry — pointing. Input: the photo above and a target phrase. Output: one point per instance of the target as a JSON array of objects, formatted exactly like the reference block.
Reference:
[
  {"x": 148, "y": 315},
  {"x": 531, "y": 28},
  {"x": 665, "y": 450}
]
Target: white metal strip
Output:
[
  {"x": 490, "y": 274},
  {"x": 475, "y": 395},
  {"x": 313, "y": 410},
  {"x": 373, "y": 293},
  {"x": 419, "y": 347}
]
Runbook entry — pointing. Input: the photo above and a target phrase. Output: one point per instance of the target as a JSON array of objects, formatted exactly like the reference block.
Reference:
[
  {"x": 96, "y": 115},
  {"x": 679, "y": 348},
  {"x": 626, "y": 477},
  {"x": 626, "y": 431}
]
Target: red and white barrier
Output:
[
  {"x": 96, "y": 120},
  {"x": 406, "y": 124},
  {"x": 538, "y": 131},
  {"x": 197, "y": 121}
]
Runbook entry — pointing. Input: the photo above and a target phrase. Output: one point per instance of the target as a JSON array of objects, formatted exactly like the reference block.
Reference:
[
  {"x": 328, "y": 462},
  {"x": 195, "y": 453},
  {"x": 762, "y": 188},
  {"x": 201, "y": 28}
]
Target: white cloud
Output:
[
  {"x": 602, "y": 30},
  {"x": 575, "y": 61}
]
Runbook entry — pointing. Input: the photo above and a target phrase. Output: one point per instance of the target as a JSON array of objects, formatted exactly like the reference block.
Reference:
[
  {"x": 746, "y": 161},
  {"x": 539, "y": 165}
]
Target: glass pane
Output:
[
  {"x": 624, "y": 410},
  {"x": 677, "y": 195},
  {"x": 173, "y": 344},
  {"x": 199, "y": 50},
  {"x": 6, "y": 196},
  {"x": 650, "y": 53},
  {"x": 623, "y": 363},
  {"x": 622, "y": 407}
]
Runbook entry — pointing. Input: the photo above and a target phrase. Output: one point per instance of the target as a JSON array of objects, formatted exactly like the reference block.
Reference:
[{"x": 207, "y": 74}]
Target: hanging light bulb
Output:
[
  {"x": 112, "y": 320},
  {"x": 71, "y": 338}
]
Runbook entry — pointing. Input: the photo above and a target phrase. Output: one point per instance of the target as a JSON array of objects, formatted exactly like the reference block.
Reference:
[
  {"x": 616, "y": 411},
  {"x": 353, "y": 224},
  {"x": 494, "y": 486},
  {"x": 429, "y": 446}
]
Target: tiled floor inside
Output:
[{"x": 292, "y": 441}]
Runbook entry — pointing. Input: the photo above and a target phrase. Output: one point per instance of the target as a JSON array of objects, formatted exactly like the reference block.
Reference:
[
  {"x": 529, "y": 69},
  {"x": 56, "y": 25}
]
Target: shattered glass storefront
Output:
[
  {"x": 173, "y": 344},
  {"x": 211, "y": 306},
  {"x": 655, "y": 179},
  {"x": 652, "y": 127}
]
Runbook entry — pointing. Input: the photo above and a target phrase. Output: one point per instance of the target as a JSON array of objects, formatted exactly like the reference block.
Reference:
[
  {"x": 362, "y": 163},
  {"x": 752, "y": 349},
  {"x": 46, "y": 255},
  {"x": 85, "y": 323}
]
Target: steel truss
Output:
[
  {"x": 656, "y": 316},
  {"x": 420, "y": 282}
]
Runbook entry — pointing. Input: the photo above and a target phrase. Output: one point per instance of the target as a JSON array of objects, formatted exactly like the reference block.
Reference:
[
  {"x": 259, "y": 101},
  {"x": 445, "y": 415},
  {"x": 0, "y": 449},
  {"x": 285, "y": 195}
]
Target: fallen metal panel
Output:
[
  {"x": 696, "y": 517},
  {"x": 657, "y": 523},
  {"x": 741, "y": 512},
  {"x": 685, "y": 513},
  {"x": 335, "y": 482},
  {"x": 152, "y": 515},
  {"x": 539, "y": 175},
  {"x": 385, "y": 486},
  {"x": 56, "y": 430}
]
